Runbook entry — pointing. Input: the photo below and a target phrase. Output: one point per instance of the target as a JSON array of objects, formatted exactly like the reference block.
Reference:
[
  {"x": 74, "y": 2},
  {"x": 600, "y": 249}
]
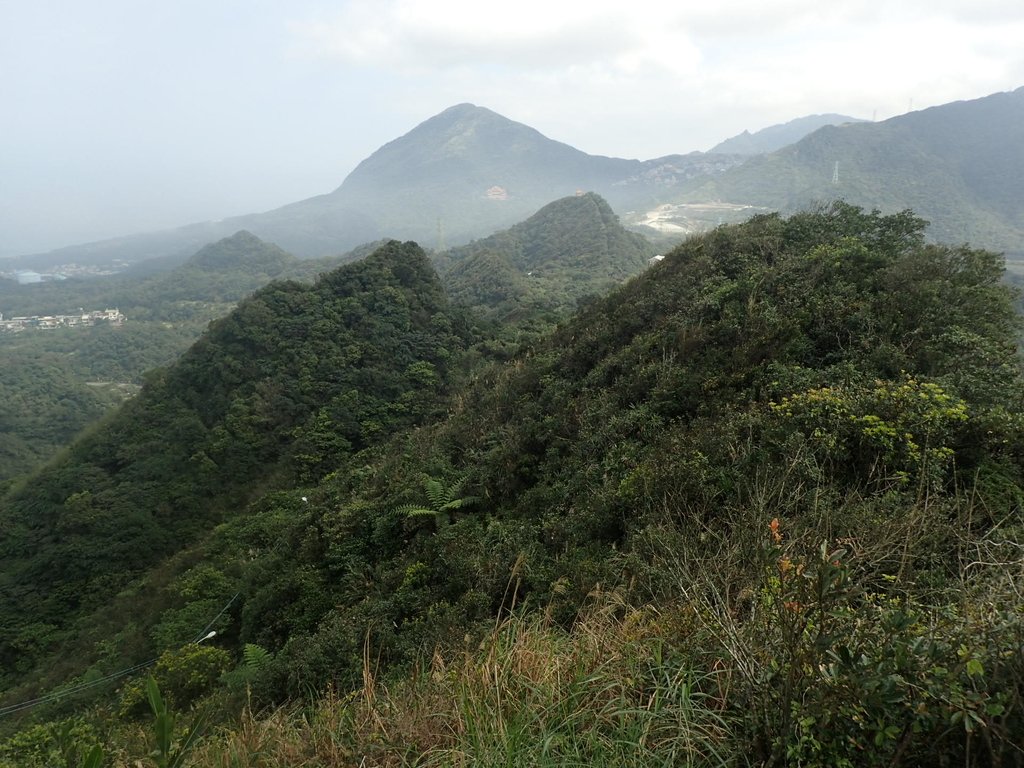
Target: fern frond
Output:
[
  {"x": 455, "y": 489},
  {"x": 465, "y": 501},
  {"x": 411, "y": 510},
  {"x": 255, "y": 657},
  {"x": 435, "y": 493}
]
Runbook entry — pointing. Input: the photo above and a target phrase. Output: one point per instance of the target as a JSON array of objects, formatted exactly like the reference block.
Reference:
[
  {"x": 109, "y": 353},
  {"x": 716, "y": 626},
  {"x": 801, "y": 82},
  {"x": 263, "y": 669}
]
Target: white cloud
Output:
[
  {"x": 776, "y": 58},
  {"x": 423, "y": 35},
  {"x": 679, "y": 75}
]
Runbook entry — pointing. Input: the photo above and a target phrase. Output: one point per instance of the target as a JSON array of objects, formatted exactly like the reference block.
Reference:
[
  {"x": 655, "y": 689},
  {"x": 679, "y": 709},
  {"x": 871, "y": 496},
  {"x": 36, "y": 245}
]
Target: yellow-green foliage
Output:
[
  {"x": 894, "y": 430},
  {"x": 66, "y": 744},
  {"x": 183, "y": 675}
]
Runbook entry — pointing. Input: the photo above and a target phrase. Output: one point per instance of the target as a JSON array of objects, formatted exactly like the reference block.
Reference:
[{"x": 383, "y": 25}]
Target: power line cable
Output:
[
  {"x": 59, "y": 694},
  {"x": 54, "y": 695},
  {"x": 202, "y": 635}
]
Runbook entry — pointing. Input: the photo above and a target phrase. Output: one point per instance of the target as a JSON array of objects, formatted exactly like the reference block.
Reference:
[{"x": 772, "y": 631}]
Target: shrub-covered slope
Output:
[
  {"x": 788, "y": 437},
  {"x": 777, "y": 479}
]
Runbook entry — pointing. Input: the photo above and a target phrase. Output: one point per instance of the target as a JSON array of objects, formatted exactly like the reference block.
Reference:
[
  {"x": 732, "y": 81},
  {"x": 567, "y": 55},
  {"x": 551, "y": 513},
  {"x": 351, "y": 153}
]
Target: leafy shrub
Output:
[{"x": 184, "y": 674}]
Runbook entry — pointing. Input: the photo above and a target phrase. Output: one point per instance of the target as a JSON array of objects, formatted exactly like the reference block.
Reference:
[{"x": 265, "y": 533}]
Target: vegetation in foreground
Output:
[{"x": 760, "y": 506}]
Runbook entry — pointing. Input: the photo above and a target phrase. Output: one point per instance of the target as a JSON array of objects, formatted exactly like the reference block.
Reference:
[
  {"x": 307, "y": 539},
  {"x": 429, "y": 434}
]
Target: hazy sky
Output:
[{"x": 119, "y": 116}]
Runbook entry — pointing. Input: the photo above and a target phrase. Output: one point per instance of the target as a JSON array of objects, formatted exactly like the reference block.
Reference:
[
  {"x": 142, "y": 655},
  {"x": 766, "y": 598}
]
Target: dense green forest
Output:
[
  {"x": 761, "y": 505},
  {"x": 296, "y": 377},
  {"x": 59, "y": 382}
]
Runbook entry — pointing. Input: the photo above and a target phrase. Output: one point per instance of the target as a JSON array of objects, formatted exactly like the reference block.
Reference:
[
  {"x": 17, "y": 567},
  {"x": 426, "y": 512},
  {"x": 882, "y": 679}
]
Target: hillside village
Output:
[{"x": 49, "y": 322}]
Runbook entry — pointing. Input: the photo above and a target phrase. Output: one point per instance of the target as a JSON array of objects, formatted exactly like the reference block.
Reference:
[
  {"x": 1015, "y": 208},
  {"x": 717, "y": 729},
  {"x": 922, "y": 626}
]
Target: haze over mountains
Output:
[
  {"x": 776, "y": 137},
  {"x": 468, "y": 171},
  {"x": 463, "y": 173},
  {"x": 960, "y": 166}
]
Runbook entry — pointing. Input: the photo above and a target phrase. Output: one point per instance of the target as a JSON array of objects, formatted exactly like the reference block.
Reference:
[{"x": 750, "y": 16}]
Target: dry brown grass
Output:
[{"x": 530, "y": 694}]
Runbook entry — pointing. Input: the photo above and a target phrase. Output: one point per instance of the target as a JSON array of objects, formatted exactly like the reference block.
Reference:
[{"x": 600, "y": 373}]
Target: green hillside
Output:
[
  {"x": 569, "y": 249},
  {"x": 761, "y": 505},
  {"x": 574, "y": 248},
  {"x": 43, "y": 405}
]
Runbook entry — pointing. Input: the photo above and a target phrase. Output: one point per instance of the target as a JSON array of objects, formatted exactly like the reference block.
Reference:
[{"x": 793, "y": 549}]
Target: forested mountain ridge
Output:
[
  {"x": 959, "y": 165},
  {"x": 58, "y": 383},
  {"x": 761, "y": 504},
  {"x": 296, "y": 376}
]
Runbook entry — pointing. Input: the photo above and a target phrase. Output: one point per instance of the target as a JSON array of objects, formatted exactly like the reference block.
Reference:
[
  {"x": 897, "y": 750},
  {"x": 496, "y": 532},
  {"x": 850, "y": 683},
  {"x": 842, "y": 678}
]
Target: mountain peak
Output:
[
  {"x": 570, "y": 248},
  {"x": 475, "y": 127},
  {"x": 469, "y": 170},
  {"x": 241, "y": 250},
  {"x": 464, "y": 109}
]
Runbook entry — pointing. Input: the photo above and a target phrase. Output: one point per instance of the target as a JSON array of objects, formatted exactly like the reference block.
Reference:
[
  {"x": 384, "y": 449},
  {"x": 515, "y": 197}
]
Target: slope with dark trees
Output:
[
  {"x": 57, "y": 382},
  {"x": 290, "y": 382}
]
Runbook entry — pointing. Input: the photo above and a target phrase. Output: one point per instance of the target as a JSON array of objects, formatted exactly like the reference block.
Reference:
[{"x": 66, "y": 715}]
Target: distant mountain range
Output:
[
  {"x": 464, "y": 173},
  {"x": 959, "y": 165},
  {"x": 468, "y": 172},
  {"x": 776, "y": 137}
]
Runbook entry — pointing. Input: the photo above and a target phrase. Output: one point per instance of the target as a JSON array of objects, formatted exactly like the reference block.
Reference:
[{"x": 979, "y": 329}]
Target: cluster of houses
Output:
[{"x": 44, "y": 322}]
